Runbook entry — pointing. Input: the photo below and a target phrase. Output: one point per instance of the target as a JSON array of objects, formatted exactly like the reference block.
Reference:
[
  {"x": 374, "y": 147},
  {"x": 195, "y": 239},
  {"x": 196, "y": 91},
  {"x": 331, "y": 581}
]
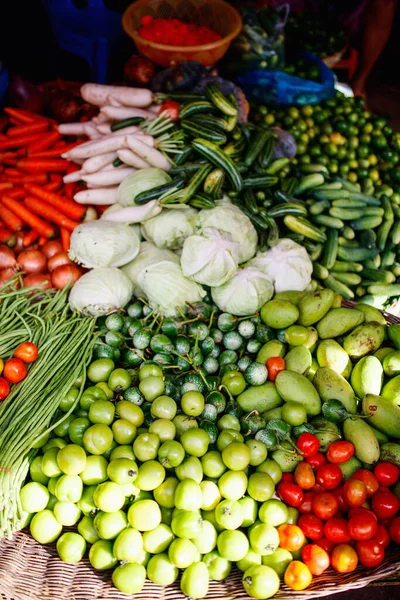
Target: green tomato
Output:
[
  {"x": 144, "y": 515},
  {"x": 233, "y": 545},
  {"x": 54, "y": 442},
  {"x": 249, "y": 510},
  {"x": 152, "y": 387},
  {"x": 100, "y": 370},
  {"x": 66, "y": 513},
  {"x": 212, "y": 464},
  {"x": 293, "y": 515},
  {"x": 228, "y": 422},
  {"x": 186, "y": 524},
  {"x": 278, "y": 561},
  {"x": 251, "y": 559},
  {"x": 34, "y": 497},
  {"x": 195, "y": 442},
  {"x": 97, "y": 439},
  {"x": 90, "y": 395},
  {"x": 164, "y": 429},
  {"x": 104, "y": 387},
  {"x": 69, "y": 400},
  {"x": 86, "y": 503},
  {"x": 260, "y": 486},
  {"x": 131, "y": 412},
  {"x": 232, "y": 485},
  {"x": 263, "y": 538},
  {"x": 151, "y": 474},
  {"x": 109, "y": 497},
  {"x": 102, "y": 411},
  {"x": 190, "y": 469},
  {"x": 119, "y": 380},
  {"x": 123, "y": 451},
  {"x": 192, "y": 403},
  {"x": 71, "y": 459},
  {"x": 195, "y": 580},
  {"x": 206, "y": 541},
  {"x": 164, "y": 494},
  {"x": 296, "y": 335},
  {"x": 95, "y": 471},
  {"x": 171, "y": 454},
  {"x": 122, "y": 471},
  {"x": 218, "y": 568},
  {"x": 163, "y": 407},
  {"x": 228, "y": 514},
  {"x": 294, "y": 413},
  {"x": 124, "y": 431},
  {"x": 35, "y": 471},
  {"x": 77, "y": 428},
  {"x": 161, "y": 570},
  {"x": 273, "y": 512},
  {"x": 87, "y": 530},
  {"x": 146, "y": 446},
  {"x": 236, "y": 456},
  {"x": 158, "y": 540},
  {"x": 62, "y": 428},
  {"x": 261, "y": 582},
  {"x": 51, "y": 486},
  {"x": 234, "y": 382},
  {"x": 258, "y": 452},
  {"x": 68, "y": 488},
  {"x": 166, "y": 515},
  {"x": 128, "y": 546},
  {"x": 101, "y": 555},
  {"x": 44, "y": 527},
  {"x": 226, "y": 437},
  {"x": 182, "y": 553},
  {"x": 188, "y": 495},
  {"x": 150, "y": 370},
  {"x": 272, "y": 468},
  {"x": 210, "y": 495},
  {"x": 110, "y": 524}
]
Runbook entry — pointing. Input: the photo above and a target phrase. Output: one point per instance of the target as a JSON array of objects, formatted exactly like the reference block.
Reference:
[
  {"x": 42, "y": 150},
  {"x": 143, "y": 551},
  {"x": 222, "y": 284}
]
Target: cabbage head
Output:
[
  {"x": 245, "y": 293},
  {"x": 100, "y": 292},
  {"x": 149, "y": 255},
  {"x": 170, "y": 228},
  {"x": 141, "y": 181}
]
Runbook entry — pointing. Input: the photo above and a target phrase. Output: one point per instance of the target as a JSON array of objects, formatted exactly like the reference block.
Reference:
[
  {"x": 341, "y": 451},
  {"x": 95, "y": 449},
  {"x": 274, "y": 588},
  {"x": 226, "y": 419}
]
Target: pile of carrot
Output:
[{"x": 34, "y": 201}]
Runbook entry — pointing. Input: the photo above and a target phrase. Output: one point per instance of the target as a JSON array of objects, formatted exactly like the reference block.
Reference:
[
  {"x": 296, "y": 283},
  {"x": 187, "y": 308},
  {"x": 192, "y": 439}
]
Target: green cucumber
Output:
[
  {"x": 289, "y": 208},
  {"x": 277, "y": 165},
  {"x": 183, "y": 156},
  {"x": 202, "y": 201},
  {"x": 309, "y": 182},
  {"x": 212, "y": 135},
  {"x": 378, "y": 275},
  {"x": 328, "y": 221},
  {"x": 126, "y": 123},
  {"x": 332, "y": 185},
  {"x": 250, "y": 201},
  {"x": 213, "y": 183},
  {"x": 346, "y": 214},
  {"x": 347, "y": 267},
  {"x": 370, "y": 200},
  {"x": 260, "y": 181},
  {"x": 330, "y": 248},
  {"x": 348, "y": 203},
  {"x": 338, "y": 287},
  {"x": 319, "y": 271},
  {"x": 348, "y": 233},
  {"x": 256, "y": 146},
  {"x": 331, "y": 194},
  {"x": 194, "y": 108},
  {"x": 389, "y": 290},
  {"x": 368, "y": 238},
  {"x": 215, "y": 155},
  {"x": 265, "y": 156},
  {"x": 214, "y": 94},
  {"x": 356, "y": 254},
  {"x": 304, "y": 227},
  {"x": 348, "y": 278},
  {"x": 314, "y": 168},
  {"x": 396, "y": 233},
  {"x": 317, "y": 208},
  {"x": 383, "y": 233},
  {"x": 366, "y": 223},
  {"x": 160, "y": 191}
]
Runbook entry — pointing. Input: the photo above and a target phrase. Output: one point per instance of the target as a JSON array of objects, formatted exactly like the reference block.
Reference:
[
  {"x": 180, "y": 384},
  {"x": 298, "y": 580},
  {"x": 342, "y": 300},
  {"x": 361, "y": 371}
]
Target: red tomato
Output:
[
  {"x": 306, "y": 506},
  {"x": 316, "y": 461},
  {"x": 339, "y": 452},
  {"x": 329, "y": 476},
  {"x": 327, "y": 545},
  {"x": 14, "y": 370},
  {"x": 308, "y": 444},
  {"x": 291, "y": 537},
  {"x": 304, "y": 476},
  {"x": 344, "y": 558},
  {"x": 338, "y": 493},
  {"x": 172, "y": 108},
  {"x": 368, "y": 479},
  {"x": 387, "y": 473},
  {"x": 287, "y": 477},
  {"x": 363, "y": 526},
  {"x": 354, "y": 493},
  {"x": 4, "y": 388},
  {"x": 27, "y": 352},
  {"x": 370, "y": 553},
  {"x": 316, "y": 558},
  {"x": 382, "y": 536},
  {"x": 290, "y": 493},
  {"x": 384, "y": 504},
  {"x": 394, "y": 530},
  {"x": 360, "y": 510},
  {"x": 336, "y": 530},
  {"x": 312, "y": 526},
  {"x": 297, "y": 576},
  {"x": 325, "y": 505},
  {"x": 275, "y": 365}
]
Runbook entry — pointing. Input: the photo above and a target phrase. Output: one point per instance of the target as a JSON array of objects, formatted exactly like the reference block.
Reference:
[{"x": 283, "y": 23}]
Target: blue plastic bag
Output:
[
  {"x": 279, "y": 89},
  {"x": 3, "y": 82}
]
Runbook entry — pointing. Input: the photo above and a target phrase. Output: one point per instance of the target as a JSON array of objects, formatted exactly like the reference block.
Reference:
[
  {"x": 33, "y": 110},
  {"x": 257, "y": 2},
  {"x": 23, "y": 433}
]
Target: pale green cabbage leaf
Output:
[
  {"x": 170, "y": 228},
  {"x": 245, "y": 293},
  {"x": 100, "y": 292},
  {"x": 141, "y": 181},
  {"x": 149, "y": 255}
]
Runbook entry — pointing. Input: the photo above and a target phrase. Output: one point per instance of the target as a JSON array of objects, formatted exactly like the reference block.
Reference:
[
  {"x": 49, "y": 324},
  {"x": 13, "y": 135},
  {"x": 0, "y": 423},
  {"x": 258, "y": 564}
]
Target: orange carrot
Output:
[
  {"x": 40, "y": 178},
  {"x": 30, "y": 237},
  {"x": 42, "y": 240},
  {"x": 17, "y": 193},
  {"x": 49, "y": 213},
  {"x": 65, "y": 238},
  {"x": 68, "y": 208},
  {"x": 9, "y": 161},
  {"x": 23, "y": 116},
  {"x": 54, "y": 152},
  {"x": 23, "y": 140},
  {"x": 5, "y": 186},
  {"x": 35, "y": 127},
  {"x": 69, "y": 188},
  {"x": 44, "y": 143},
  {"x": 13, "y": 172},
  {"x": 32, "y": 165},
  {"x": 11, "y": 220},
  {"x": 42, "y": 227},
  {"x": 7, "y": 237}
]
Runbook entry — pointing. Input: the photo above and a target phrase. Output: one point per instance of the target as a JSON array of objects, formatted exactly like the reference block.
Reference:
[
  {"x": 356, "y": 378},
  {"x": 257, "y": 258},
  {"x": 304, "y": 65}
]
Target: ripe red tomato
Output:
[
  {"x": 325, "y": 505},
  {"x": 27, "y": 352},
  {"x": 316, "y": 461},
  {"x": 354, "y": 493},
  {"x": 304, "y": 476},
  {"x": 172, "y": 108},
  {"x": 387, "y": 473},
  {"x": 363, "y": 526},
  {"x": 306, "y": 506},
  {"x": 344, "y": 558},
  {"x": 382, "y": 535},
  {"x": 329, "y": 476},
  {"x": 336, "y": 530},
  {"x": 308, "y": 444},
  {"x": 312, "y": 526},
  {"x": 327, "y": 545},
  {"x": 316, "y": 558},
  {"x": 339, "y": 452},
  {"x": 370, "y": 553},
  {"x": 4, "y": 388},
  {"x": 275, "y": 365},
  {"x": 14, "y": 370},
  {"x": 291, "y": 537},
  {"x": 338, "y": 493},
  {"x": 394, "y": 530},
  {"x": 287, "y": 477},
  {"x": 385, "y": 504},
  {"x": 290, "y": 493},
  {"x": 368, "y": 479}
]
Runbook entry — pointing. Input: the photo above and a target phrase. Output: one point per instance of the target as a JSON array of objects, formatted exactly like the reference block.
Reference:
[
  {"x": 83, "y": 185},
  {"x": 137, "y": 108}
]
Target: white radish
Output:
[
  {"x": 130, "y": 158},
  {"x": 119, "y": 113},
  {"x": 104, "y": 128},
  {"x": 97, "y": 94},
  {"x": 154, "y": 108},
  {"x": 107, "y": 178},
  {"x": 146, "y": 139},
  {"x": 151, "y": 155},
  {"x": 100, "y": 118},
  {"x": 134, "y": 214},
  {"x": 73, "y": 177},
  {"x": 111, "y": 101},
  {"x": 72, "y": 128},
  {"x": 91, "y": 165},
  {"x": 104, "y": 145},
  {"x": 91, "y": 131},
  {"x": 98, "y": 196},
  {"x": 127, "y": 130}
]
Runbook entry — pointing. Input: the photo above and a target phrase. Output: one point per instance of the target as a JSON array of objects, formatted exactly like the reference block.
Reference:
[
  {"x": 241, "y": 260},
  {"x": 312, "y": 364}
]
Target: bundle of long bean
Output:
[{"x": 65, "y": 345}]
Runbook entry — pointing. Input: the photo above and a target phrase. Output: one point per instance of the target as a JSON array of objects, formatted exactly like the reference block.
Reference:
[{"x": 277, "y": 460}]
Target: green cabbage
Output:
[
  {"x": 245, "y": 293},
  {"x": 149, "y": 255},
  {"x": 141, "y": 181},
  {"x": 170, "y": 228},
  {"x": 100, "y": 292}
]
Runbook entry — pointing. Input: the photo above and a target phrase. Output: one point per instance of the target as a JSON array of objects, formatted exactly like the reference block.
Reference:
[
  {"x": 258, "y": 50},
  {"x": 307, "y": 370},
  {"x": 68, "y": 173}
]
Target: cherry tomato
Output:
[
  {"x": 306, "y": 506},
  {"x": 290, "y": 493},
  {"x": 291, "y": 537},
  {"x": 14, "y": 370},
  {"x": 325, "y": 505},
  {"x": 354, "y": 493},
  {"x": 312, "y": 526},
  {"x": 329, "y": 476},
  {"x": 363, "y": 526},
  {"x": 339, "y": 452},
  {"x": 172, "y": 108},
  {"x": 344, "y": 558},
  {"x": 382, "y": 535},
  {"x": 387, "y": 473},
  {"x": 370, "y": 553},
  {"x": 336, "y": 530},
  {"x": 297, "y": 576},
  {"x": 316, "y": 558},
  {"x": 287, "y": 477},
  {"x": 27, "y": 352},
  {"x": 394, "y": 530},
  {"x": 308, "y": 444},
  {"x": 385, "y": 504},
  {"x": 316, "y": 461},
  {"x": 360, "y": 510},
  {"x": 275, "y": 365},
  {"x": 368, "y": 479},
  {"x": 4, "y": 388},
  {"x": 304, "y": 476},
  {"x": 338, "y": 493},
  {"x": 327, "y": 545}
]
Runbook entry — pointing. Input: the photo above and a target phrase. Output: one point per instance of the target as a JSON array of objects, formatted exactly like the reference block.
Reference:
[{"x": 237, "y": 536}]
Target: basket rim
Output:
[{"x": 126, "y": 24}]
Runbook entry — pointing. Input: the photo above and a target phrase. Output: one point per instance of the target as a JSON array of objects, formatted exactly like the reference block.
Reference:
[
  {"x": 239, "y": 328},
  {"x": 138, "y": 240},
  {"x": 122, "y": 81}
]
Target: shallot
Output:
[
  {"x": 51, "y": 248},
  {"x": 7, "y": 258},
  {"x": 65, "y": 275},
  {"x": 38, "y": 279},
  {"x": 58, "y": 260},
  {"x": 32, "y": 261}
]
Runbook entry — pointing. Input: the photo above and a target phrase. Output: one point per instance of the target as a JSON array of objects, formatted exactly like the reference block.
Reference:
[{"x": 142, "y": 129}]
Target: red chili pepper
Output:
[{"x": 174, "y": 32}]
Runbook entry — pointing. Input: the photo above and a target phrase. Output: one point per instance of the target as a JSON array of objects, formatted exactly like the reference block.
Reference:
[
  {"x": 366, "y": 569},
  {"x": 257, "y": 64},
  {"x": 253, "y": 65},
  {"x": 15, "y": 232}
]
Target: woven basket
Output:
[{"x": 29, "y": 571}]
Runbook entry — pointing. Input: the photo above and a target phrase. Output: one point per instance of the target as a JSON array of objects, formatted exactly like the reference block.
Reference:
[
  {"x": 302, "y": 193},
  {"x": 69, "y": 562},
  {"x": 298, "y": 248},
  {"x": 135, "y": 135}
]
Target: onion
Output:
[
  {"x": 19, "y": 246},
  {"x": 42, "y": 279},
  {"x": 7, "y": 258},
  {"x": 32, "y": 261},
  {"x": 61, "y": 258},
  {"x": 65, "y": 275},
  {"x": 5, "y": 275},
  {"x": 51, "y": 248}
]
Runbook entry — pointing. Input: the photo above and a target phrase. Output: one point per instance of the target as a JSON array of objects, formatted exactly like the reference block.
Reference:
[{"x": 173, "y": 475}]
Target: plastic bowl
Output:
[{"x": 216, "y": 14}]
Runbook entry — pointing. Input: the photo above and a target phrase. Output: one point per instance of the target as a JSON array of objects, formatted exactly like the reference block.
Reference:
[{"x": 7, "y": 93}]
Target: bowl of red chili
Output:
[{"x": 173, "y": 31}]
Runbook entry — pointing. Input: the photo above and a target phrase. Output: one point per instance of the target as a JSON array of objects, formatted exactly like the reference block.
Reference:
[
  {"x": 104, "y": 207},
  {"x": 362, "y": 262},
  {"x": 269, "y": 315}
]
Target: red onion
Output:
[
  {"x": 5, "y": 275},
  {"x": 19, "y": 246},
  {"x": 42, "y": 279},
  {"x": 51, "y": 248},
  {"x": 65, "y": 275},
  {"x": 7, "y": 258},
  {"x": 61, "y": 258},
  {"x": 32, "y": 261}
]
